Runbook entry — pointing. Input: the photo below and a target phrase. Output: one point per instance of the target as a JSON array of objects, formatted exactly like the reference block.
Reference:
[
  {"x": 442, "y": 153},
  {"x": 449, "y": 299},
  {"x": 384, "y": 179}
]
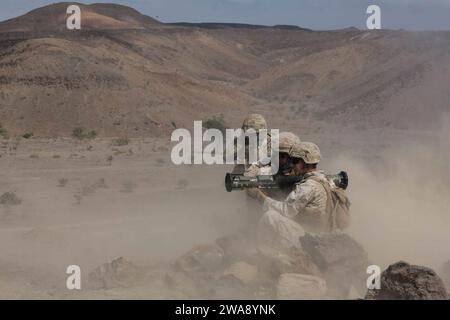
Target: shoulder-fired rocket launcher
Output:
[{"x": 240, "y": 182}]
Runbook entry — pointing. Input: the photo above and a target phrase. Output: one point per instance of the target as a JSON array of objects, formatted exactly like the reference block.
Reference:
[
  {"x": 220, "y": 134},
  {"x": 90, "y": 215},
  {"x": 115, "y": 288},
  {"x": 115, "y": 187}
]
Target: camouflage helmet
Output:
[
  {"x": 286, "y": 141},
  {"x": 307, "y": 151},
  {"x": 254, "y": 121}
]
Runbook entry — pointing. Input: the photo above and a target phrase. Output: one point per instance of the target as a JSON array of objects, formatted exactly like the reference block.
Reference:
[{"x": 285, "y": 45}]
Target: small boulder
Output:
[
  {"x": 117, "y": 273},
  {"x": 228, "y": 287},
  {"x": 242, "y": 271},
  {"x": 201, "y": 260},
  {"x": 402, "y": 281},
  {"x": 294, "y": 262},
  {"x": 295, "y": 286},
  {"x": 10, "y": 199}
]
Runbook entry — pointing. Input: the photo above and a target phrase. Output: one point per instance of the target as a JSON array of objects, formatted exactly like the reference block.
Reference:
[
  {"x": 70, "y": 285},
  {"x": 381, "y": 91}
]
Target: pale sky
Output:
[{"x": 314, "y": 14}]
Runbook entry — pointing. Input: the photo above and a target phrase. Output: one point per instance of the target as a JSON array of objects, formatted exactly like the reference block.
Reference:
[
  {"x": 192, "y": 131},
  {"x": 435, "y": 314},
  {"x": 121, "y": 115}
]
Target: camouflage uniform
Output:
[
  {"x": 256, "y": 122},
  {"x": 306, "y": 204},
  {"x": 251, "y": 210},
  {"x": 305, "y": 208},
  {"x": 286, "y": 141}
]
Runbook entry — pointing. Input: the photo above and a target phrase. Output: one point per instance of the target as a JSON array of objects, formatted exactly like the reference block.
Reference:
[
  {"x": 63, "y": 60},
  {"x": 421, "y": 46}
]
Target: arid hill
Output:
[
  {"x": 96, "y": 16},
  {"x": 125, "y": 73}
]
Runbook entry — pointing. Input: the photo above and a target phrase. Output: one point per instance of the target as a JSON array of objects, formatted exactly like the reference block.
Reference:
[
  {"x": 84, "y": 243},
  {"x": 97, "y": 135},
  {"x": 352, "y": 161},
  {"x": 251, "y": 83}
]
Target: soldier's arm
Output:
[
  {"x": 252, "y": 170},
  {"x": 295, "y": 203},
  {"x": 311, "y": 208}
]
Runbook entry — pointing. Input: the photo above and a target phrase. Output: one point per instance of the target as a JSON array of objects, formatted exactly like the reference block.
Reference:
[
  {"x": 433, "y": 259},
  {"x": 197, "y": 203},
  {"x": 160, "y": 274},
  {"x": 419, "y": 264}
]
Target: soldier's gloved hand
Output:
[
  {"x": 256, "y": 194},
  {"x": 252, "y": 192}
]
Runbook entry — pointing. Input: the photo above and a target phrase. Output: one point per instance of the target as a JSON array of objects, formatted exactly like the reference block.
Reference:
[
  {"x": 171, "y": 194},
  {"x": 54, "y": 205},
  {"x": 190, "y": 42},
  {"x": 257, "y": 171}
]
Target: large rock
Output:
[
  {"x": 244, "y": 272},
  {"x": 402, "y": 281},
  {"x": 228, "y": 286},
  {"x": 342, "y": 261},
  {"x": 295, "y": 286},
  {"x": 329, "y": 249},
  {"x": 291, "y": 262}
]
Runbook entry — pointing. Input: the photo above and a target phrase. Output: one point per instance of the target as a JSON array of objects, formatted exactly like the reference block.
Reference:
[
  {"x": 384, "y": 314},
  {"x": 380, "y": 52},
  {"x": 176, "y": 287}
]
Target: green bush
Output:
[
  {"x": 28, "y": 135},
  {"x": 216, "y": 122},
  {"x": 3, "y": 133},
  {"x": 79, "y": 133},
  {"x": 91, "y": 134},
  {"x": 121, "y": 142}
]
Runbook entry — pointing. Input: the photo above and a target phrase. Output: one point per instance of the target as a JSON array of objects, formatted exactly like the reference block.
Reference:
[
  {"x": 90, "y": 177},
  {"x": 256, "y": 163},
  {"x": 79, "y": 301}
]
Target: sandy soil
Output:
[
  {"x": 80, "y": 206},
  {"x": 138, "y": 206}
]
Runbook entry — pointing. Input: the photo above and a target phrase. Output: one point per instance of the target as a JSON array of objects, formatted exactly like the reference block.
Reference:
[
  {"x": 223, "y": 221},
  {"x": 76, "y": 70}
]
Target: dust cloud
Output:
[
  {"x": 151, "y": 212},
  {"x": 401, "y": 198}
]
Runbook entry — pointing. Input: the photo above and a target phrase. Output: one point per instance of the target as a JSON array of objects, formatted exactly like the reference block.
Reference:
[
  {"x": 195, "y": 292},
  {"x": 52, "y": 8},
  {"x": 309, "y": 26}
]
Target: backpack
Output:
[{"x": 338, "y": 205}]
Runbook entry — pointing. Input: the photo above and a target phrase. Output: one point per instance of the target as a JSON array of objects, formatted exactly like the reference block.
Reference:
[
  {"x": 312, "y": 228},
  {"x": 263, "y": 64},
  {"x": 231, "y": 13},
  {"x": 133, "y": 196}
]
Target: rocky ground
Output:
[{"x": 140, "y": 227}]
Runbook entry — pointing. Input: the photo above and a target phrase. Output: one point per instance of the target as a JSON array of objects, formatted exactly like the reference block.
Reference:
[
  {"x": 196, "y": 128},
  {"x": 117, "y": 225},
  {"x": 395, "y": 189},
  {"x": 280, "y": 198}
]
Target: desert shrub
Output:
[
  {"x": 216, "y": 122},
  {"x": 160, "y": 162},
  {"x": 91, "y": 134},
  {"x": 80, "y": 134},
  {"x": 121, "y": 142},
  {"x": 78, "y": 197},
  {"x": 88, "y": 190},
  {"x": 10, "y": 199},
  {"x": 118, "y": 152},
  {"x": 62, "y": 182},
  {"x": 100, "y": 184},
  {"x": 182, "y": 184},
  {"x": 3, "y": 133},
  {"x": 128, "y": 186},
  {"x": 28, "y": 135}
]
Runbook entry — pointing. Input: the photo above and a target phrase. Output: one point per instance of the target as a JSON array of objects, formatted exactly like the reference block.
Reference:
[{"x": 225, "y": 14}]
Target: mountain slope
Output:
[
  {"x": 150, "y": 79},
  {"x": 52, "y": 18}
]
